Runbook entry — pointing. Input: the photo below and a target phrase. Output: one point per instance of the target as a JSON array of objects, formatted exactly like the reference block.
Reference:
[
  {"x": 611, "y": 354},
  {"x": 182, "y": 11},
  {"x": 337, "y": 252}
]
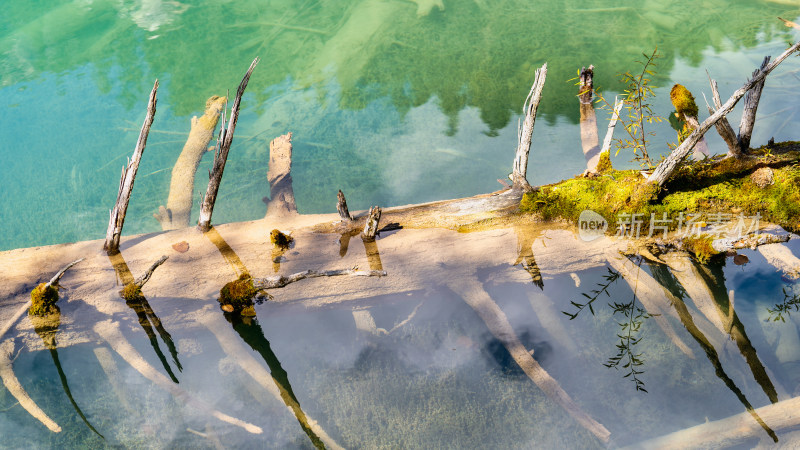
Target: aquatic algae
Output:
[
  {"x": 280, "y": 240},
  {"x": 683, "y": 101},
  {"x": 43, "y": 300}
]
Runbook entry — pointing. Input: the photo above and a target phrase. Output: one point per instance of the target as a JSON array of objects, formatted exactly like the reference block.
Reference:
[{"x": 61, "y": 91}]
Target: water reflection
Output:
[
  {"x": 148, "y": 319},
  {"x": 783, "y": 309},
  {"x": 525, "y": 239},
  {"x": 47, "y": 328}
]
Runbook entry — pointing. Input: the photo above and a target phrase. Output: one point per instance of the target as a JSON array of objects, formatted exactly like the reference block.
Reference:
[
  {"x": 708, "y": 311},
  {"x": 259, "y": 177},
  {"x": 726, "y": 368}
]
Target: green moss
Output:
[
  {"x": 280, "y": 240},
  {"x": 43, "y": 300},
  {"x": 604, "y": 163},
  {"x": 131, "y": 292},
  {"x": 700, "y": 247},
  {"x": 715, "y": 186},
  {"x": 683, "y": 101},
  {"x": 238, "y": 295}
]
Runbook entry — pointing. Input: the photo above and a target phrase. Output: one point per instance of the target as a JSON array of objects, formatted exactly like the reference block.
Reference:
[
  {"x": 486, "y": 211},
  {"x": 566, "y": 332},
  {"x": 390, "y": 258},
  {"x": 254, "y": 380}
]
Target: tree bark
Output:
[
  {"x": 666, "y": 167},
  {"x": 373, "y": 219},
  {"x": 117, "y": 215},
  {"x": 588, "y": 120},
  {"x": 341, "y": 206},
  {"x": 750, "y": 106},
  {"x": 525, "y": 132},
  {"x": 221, "y": 155}
]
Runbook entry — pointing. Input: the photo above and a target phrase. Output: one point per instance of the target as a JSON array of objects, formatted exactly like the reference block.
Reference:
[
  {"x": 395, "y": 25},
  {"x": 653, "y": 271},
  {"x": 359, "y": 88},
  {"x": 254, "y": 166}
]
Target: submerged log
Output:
[
  {"x": 279, "y": 177},
  {"x": 117, "y": 215},
  {"x": 221, "y": 154},
  {"x": 181, "y": 187},
  {"x": 15, "y": 388}
]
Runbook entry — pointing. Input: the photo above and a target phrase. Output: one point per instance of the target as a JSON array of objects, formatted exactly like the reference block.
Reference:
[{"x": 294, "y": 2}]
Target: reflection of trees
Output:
[{"x": 477, "y": 54}]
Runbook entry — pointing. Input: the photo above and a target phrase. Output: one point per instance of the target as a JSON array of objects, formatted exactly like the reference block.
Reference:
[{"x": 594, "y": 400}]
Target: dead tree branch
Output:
[
  {"x": 341, "y": 206},
  {"x": 281, "y": 281},
  {"x": 221, "y": 154},
  {"x": 146, "y": 276},
  {"x": 525, "y": 132},
  {"x": 666, "y": 167},
  {"x": 373, "y": 219},
  {"x": 117, "y": 215},
  {"x": 54, "y": 281},
  {"x": 724, "y": 128},
  {"x": 750, "y": 106}
]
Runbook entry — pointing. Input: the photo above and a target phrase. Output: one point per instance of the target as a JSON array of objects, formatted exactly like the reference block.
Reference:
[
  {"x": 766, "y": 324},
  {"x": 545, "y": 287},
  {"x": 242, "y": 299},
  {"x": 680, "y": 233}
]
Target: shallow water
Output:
[
  {"x": 394, "y": 103},
  {"x": 390, "y": 102}
]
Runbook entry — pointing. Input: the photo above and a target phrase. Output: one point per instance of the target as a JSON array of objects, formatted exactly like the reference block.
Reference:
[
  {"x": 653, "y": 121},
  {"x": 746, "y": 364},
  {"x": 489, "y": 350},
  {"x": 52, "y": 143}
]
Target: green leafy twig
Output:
[
  {"x": 784, "y": 308},
  {"x": 610, "y": 278}
]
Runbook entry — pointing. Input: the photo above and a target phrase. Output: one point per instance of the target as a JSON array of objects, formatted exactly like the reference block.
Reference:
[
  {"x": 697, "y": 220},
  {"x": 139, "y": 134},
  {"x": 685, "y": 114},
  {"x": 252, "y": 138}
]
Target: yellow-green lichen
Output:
[
  {"x": 131, "y": 292},
  {"x": 280, "y": 240},
  {"x": 43, "y": 300},
  {"x": 683, "y": 101}
]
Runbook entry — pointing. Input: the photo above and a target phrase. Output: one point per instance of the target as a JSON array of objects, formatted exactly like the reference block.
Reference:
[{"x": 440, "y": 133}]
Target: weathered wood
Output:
[
  {"x": 117, "y": 215},
  {"x": 611, "y": 125},
  {"x": 178, "y": 211},
  {"x": 373, "y": 220},
  {"x": 54, "y": 281},
  {"x": 666, "y": 167},
  {"x": 525, "y": 132},
  {"x": 221, "y": 154},
  {"x": 588, "y": 120},
  {"x": 341, "y": 207},
  {"x": 750, "y": 106},
  {"x": 473, "y": 293},
  {"x": 279, "y": 177},
  {"x": 15, "y": 388},
  {"x": 149, "y": 272},
  {"x": 280, "y": 281},
  {"x": 724, "y": 128}
]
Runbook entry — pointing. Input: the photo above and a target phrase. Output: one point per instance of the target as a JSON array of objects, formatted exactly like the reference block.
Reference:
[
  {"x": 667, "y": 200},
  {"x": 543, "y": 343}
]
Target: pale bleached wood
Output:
[
  {"x": 149, "y": 272},
  {"x": 221, "y": 154},
  {"x": 373, "y": 220},
  {"x": 15, "y": 388},
  {"x": 279, "y": 177},
  {"x": 280, "y": 281},
  {"x": 525, "y": 132},
  {"x": 750, "y": 107},
  {"x": 666, "y": 167},
  {"x": 178, "y": 211},
  {"x": 117, "y": 215},
  {"x": 724, "y": 128}
]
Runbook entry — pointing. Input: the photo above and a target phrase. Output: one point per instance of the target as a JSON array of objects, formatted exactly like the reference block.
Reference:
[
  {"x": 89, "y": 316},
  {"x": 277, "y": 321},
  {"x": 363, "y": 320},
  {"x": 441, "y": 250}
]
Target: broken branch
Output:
[{"x": 525, "y": 132}]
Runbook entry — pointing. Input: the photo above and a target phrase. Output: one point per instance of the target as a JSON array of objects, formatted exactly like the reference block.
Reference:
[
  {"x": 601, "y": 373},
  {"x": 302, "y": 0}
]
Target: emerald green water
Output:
[{"x": 393, "y": 102}]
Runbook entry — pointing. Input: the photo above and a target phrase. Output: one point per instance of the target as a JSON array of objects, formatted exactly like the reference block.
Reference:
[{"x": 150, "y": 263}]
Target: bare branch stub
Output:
[
  {"x": 666, "y": 167},
  {"x": 117, "y": 215},
  {"x": 341, "y": 206},
  {"x": 724, "y": 128},
  {"x": 281, "y": 281},
  {"x": 750, "y": 106},
  {"x": 525, "y": 132},
  {"x": 373, "y": 219},
  {"x": 221, "y": 155},
  {"x": 146, "y": 276},
  {"x": 54, "y": 281}
]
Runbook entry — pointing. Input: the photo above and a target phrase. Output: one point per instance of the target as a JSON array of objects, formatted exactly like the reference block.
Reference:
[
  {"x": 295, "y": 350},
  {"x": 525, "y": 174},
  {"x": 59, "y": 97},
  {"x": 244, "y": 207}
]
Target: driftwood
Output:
[
  {"x": 666, "y": 167},
  {"x": 109, "y": 331},
  {"x": 117, "y": 215},
  {"x": 750, "y": 107},
  {"x": 279, "y": 177},
  {"x": 282, "y": 281},
  {"x": 221, "y": 154},
  {"x": 525, "y": 132},
  {"x": 15, "y": 388},
  {"x": 373, "y": 220},
  {"x": 178, "y": 211},
  {"x": 724, "y": 128}
]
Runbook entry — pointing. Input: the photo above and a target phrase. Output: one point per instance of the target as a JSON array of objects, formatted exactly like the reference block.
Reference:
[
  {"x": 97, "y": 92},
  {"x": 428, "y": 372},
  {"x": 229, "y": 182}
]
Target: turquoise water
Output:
[{"x": 393, "y": 102}]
